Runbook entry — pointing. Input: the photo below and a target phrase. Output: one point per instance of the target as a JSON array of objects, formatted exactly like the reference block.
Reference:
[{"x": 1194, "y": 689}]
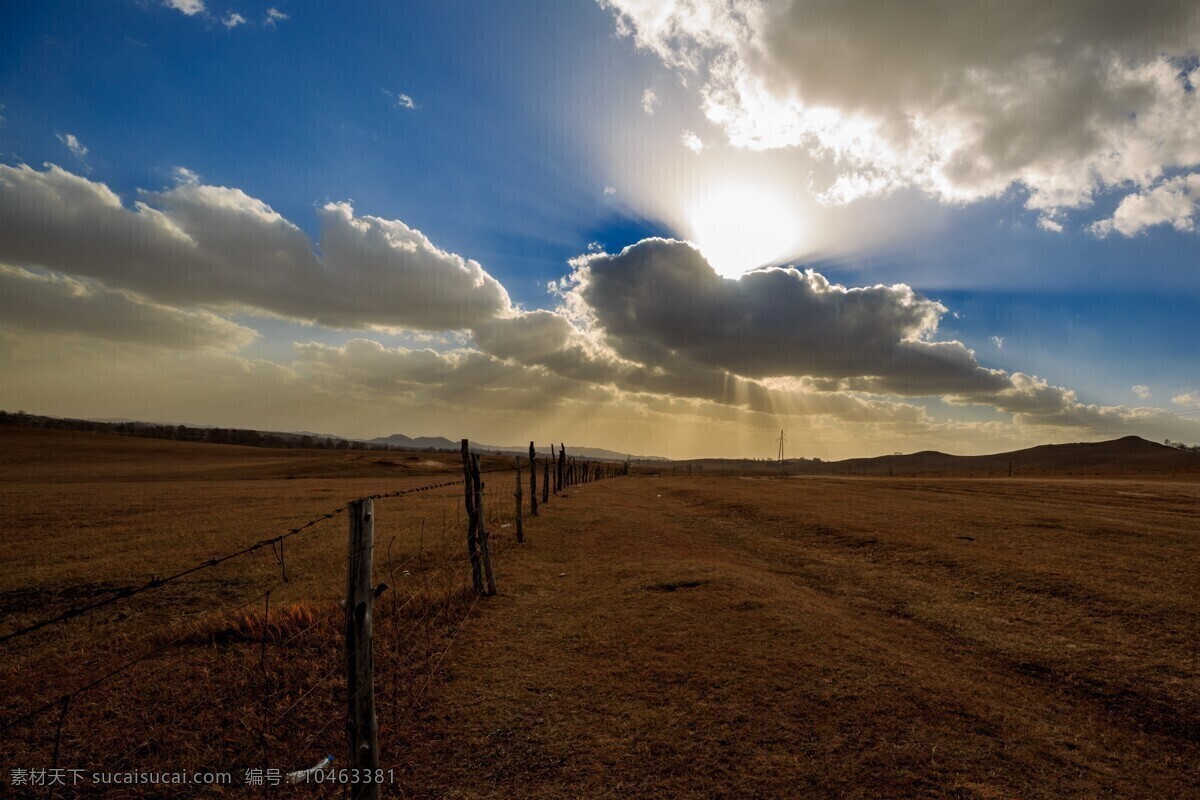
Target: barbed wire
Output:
[
  {"x": 439, "y": 614},
  {"x": 127, "y": 665},
  {"x": 65, "y": 699},
  {"x": 158, "y": 583}
]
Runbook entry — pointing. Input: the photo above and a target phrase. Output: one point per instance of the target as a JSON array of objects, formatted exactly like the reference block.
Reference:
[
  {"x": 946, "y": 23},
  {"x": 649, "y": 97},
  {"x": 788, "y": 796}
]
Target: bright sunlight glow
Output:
[{"x": 739, "y": 226}]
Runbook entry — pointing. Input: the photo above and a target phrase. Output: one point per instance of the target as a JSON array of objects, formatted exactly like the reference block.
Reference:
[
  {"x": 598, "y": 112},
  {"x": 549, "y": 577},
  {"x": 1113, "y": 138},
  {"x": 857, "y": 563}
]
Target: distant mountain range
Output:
[
  {"x": 290, "y": 439},
  {"x": 1129, "y": 455},
  {"x": 399, "y": 441}
]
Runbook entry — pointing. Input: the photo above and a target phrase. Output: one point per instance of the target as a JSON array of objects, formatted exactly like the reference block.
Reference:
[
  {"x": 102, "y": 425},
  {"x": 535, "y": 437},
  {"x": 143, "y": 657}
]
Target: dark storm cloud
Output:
[
  {"x": 659, "y": 305},
  {"x": 659, "y": 302}
]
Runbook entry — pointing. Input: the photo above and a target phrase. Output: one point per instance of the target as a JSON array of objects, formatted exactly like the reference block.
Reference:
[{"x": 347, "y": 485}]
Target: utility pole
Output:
[{"x": 782, "y": 438}]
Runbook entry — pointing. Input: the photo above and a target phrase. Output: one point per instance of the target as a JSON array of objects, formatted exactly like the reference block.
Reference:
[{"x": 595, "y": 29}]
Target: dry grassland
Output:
[
  {"x": 654, "y": 637},
  {"x": 87, "y": 515},
  {"x": 816, "y": 637}
]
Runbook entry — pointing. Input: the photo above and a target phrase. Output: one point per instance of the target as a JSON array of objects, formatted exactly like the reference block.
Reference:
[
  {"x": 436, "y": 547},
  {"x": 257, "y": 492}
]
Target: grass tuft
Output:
[{"x": 278, "y": 626}]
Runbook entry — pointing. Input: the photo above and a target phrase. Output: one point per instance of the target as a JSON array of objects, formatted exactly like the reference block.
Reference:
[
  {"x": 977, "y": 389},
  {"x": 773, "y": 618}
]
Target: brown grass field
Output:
[{"x": 704, "y": 637}]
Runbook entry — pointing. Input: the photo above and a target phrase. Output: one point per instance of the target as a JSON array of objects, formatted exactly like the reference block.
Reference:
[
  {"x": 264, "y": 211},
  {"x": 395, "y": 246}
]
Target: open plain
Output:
[{"x": 798, "y": 636}]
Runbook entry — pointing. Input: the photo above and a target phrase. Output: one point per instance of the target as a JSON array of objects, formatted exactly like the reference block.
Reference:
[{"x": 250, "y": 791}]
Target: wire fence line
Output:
[
  {"x": 255, "y": 684},
  {"x": 158, "y": 583}
]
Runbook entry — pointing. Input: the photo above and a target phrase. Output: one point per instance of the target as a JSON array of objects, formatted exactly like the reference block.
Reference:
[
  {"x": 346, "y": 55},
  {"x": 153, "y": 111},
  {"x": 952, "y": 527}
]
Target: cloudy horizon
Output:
[{"x": 662, "y": 228}]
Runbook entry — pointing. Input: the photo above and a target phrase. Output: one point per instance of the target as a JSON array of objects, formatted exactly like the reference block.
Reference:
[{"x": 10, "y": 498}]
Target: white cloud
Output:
[
  {"x": 649, "y": 101},
  {"x": 1142, "y": 391},
  {"x": 609, "y": 191},
  {"x": 1063, "y": 100},
  {"x": 997, "y": 341},
  {"x": 273, "y": 17},
  {"x": 371, "y": 363},
  {"x": 401, "y": 100},
  {"x": 1172, "y": 201},
  {"x": 185, "y": 175},
  {"x": 691, "y": 141},
  {"x": 49, "y": 303},
  {"x": 188, "y": 7},
  {"x": 654, "y": 322},
  {"x": 72, "y": 143},
  {"x": 232, "y": 19},
  {"x": 551, "y": 340},
  {"x": 1187, "y": 399},
  {"x": 213, "y": 246},
  {"x": 429, "y": 288},
  {"x": 355, "y": 388}
]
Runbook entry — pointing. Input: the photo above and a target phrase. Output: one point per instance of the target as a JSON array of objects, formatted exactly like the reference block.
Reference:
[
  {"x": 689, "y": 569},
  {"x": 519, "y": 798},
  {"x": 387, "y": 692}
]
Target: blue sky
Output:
[
  {"x": 518, "y": 134},
  {"x": 487, "y": 164}
]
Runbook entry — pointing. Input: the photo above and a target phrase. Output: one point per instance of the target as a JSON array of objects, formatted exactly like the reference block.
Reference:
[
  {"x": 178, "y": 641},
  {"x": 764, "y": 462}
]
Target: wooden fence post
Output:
[
  {"x": 361, "y": 726},
  {"x": 472, "y": 517},
  {"x": 546, "y": 482},
  {"x": 554, "y": 461},
  {"x": 520, "y": 513},
  {"x": 562, "y": 464},
  {"x": 485, "y": 549},
  {"x": 532, "y": 480}
]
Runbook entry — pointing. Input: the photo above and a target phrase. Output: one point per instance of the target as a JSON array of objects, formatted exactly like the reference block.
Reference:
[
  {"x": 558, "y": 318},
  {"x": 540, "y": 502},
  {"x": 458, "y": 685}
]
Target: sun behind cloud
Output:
[{"x": 740, "y": 225}]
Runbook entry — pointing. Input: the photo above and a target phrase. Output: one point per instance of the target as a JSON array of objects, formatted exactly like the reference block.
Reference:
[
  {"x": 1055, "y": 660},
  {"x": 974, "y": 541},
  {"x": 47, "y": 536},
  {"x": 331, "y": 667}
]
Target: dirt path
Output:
[{"x": 823, "y": 638}]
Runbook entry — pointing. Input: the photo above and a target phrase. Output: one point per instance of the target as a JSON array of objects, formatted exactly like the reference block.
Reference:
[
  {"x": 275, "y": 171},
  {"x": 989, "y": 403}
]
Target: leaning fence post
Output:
[
  {"x": 361, "y": 725},
  {"x": 517, "y": 494},
  {"x": 532, "y": 481},
  {"x": 485, "y": 549},
  {"x": 472, "y": 517}
]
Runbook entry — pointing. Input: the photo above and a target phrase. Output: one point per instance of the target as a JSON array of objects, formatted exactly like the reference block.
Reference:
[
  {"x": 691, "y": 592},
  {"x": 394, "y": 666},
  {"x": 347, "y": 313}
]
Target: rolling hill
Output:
[{"x": 1130, "y": 455}]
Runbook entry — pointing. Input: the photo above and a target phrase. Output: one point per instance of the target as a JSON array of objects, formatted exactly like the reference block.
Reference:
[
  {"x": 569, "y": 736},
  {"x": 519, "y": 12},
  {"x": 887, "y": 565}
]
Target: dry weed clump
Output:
[{"x": 276, "y": 626}]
